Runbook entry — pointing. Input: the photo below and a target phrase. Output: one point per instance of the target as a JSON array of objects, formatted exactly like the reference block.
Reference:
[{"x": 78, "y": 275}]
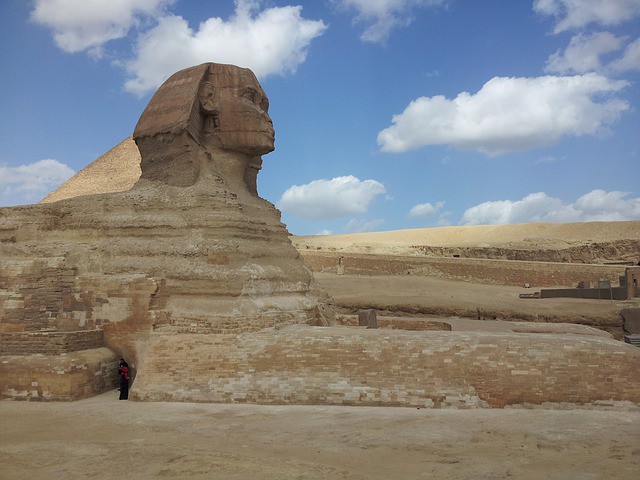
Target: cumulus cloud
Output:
[
  {"x": 572, "y": 14},
  {"x": 88, "y": 24},
  {"x": 629, "y": 61},
  {"x": 333, "y": 198},
  {"x": 385, "y": 15},
  {"x": 595, "y": 206},
  {"x": 583, "y": 53},
  {"x": 272, "y": 41},
  {"x": 363, "y": 226},
  {"x": 30, "y": 183},
  {"x": 423, "y": 210},
  {"x": 509, "y": 114}
]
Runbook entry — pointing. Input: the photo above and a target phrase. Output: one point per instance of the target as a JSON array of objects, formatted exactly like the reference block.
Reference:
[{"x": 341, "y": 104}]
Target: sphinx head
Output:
[
  {"x": 209, "y": 111},
  {"x": 235, "y": 110}
]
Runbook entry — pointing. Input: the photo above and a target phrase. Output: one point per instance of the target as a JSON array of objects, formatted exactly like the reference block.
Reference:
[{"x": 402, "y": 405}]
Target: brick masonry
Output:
[
  {"x": 50, "y": 343},
  {"x": 358, "y": 366},
  {"x": 65, "y": 377}
]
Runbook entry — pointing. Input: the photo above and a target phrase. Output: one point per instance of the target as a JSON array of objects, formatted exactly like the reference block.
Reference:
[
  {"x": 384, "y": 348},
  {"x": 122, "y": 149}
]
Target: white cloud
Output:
[
  {"x": 583, "y": 53},
  {"x": 630, "y": 60},
  {"x": 363, "y": 226},
  {"x": 324, "y": 231},
  {"x": 87, "y": 24},
  {"x": 423, "y": 210},
  {"x": 576, "y": 14},
  {"x": 385, "y": 15},
  {"x": 508, "y": 114},
  {"x": 30, "y": 183},
  {"x": 595, "y": 206},
  {"x": 273, "y": 41},
  {"x": 333, "y": 198}
]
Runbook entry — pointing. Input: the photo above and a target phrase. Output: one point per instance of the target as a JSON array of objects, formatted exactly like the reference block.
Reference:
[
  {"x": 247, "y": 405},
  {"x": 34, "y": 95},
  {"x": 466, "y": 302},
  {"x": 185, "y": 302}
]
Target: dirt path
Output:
[{"x": 102, "y": 437}]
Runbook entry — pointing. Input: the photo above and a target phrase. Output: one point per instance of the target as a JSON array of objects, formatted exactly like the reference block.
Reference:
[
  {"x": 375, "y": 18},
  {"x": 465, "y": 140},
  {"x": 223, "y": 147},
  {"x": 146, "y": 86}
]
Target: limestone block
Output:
[
  {"x": 72, "y": 376},
  {"x": 347, "y": 366},
  {"x": 631, "y": 317},
  {"x": 367, "y": 318}
]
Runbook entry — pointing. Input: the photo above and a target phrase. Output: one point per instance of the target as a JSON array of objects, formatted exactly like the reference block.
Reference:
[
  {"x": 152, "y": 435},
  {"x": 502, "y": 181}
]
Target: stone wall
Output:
[
  {"x": 50, "y": 343},
  {"x": 632, "y": 281},
  {"x": 613, "y": 293},
  {"x": 71, "y": 376},
  {"x": 498, "y": 272},
  {"x": 620, "y": 251},
  {"x": 357, "y": 366}
]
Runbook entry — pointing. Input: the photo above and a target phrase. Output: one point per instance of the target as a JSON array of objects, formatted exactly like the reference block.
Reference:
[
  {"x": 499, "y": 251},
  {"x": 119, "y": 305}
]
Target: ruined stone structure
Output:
[
  {"x": 626, "y": 290},
  {"x": 191, "y": 276}
]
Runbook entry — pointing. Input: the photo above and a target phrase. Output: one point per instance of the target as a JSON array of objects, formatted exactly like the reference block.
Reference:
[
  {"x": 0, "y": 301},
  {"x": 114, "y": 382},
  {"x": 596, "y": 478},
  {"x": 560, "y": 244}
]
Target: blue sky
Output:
[{"x": 389, "y": 114}]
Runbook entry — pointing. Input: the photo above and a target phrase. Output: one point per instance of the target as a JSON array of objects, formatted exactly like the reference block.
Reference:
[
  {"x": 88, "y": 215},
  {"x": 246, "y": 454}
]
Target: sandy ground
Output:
[
  {"x": 435, "y": 297},
  {"x": 526, "y": 235},
  {"x": 102, "y": 437}
]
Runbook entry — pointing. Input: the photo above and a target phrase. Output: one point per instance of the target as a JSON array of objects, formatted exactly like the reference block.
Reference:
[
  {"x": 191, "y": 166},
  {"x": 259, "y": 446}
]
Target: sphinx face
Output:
[{"x": 236, "y": 113}]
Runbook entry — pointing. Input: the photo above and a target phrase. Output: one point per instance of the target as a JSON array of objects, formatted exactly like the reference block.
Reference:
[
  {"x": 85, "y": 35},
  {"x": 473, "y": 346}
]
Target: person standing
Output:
[{"x": 123, "y": 377}]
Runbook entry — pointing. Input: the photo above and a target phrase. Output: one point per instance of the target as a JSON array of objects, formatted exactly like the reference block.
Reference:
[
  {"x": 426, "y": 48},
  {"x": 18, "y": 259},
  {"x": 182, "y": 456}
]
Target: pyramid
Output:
[{"x": 116, "y": 171}]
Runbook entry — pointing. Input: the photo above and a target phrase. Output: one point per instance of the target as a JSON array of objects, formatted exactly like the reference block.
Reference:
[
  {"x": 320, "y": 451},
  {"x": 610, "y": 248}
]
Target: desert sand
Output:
[
  {"x": 526, "y": 235},
  {"x": 102, "y": 437},
  {"x": 433, "y": 297}
]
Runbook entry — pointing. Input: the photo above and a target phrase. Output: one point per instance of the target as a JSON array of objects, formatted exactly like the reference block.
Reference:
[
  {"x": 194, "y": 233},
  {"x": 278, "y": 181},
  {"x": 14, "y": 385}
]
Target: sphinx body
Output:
[{"x": 190, "y": 249}]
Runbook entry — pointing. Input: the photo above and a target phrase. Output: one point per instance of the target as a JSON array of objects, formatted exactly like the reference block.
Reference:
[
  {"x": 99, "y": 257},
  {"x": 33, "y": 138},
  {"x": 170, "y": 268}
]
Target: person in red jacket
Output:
[{"x": 123, "y": 376}]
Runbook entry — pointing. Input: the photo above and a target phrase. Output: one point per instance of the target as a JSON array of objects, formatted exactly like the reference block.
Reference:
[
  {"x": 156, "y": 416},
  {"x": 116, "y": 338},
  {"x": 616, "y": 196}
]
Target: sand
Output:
[
  {"x": 527, "y": 235},
  {"x": 102, "y": 437},
  {"x": 438, "y": 299}
]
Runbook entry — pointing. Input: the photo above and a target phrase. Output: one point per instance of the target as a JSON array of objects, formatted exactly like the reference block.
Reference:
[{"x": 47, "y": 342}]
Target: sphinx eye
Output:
[{"x": 250, "y": 95}]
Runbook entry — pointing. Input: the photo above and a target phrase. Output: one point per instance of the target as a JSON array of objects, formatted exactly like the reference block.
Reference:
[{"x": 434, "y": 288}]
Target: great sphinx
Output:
[
  {"x": 192, "y": 277},
  {"x": 191, "y": 248}
]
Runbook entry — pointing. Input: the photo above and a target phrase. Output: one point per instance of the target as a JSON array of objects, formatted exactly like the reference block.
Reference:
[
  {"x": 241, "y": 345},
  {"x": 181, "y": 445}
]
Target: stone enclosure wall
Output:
[
  {"x": 50, "y": 343},
  {"x": 72, "y": 376},
  {"x": 498, "y": 272},
  {"x": 357, "y": 366},
  {"x": 613, "y": 293}
]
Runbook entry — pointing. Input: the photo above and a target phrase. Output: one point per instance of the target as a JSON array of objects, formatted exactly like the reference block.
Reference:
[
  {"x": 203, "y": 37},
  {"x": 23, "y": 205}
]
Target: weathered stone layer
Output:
[{"x": 188, "y": 259}]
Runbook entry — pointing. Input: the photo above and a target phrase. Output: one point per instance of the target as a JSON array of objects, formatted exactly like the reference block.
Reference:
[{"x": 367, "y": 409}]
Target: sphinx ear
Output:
[
  {"x": 209, "y": 107},
  {"x": 207, "y": 97}
]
